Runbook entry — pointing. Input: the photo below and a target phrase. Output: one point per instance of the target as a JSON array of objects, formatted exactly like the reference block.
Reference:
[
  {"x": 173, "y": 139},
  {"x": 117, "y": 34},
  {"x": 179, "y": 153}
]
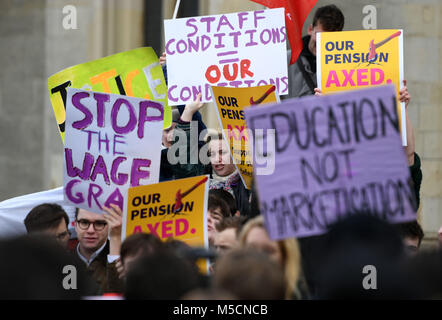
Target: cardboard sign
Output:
[
  {"x": 135, "y": 73},
  {"x": 113, "y": 142},
  {"x": 230, "y": 104},
  {"x": 242, "y": 49},
  {"x": 334, "y": 155},
  {"x": 173, "y": 209},
  {"x": 359, "y": 59}
]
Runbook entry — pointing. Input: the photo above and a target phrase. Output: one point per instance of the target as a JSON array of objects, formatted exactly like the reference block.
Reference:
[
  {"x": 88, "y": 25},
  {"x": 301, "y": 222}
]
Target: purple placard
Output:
[{"x": 333, "y": 155}]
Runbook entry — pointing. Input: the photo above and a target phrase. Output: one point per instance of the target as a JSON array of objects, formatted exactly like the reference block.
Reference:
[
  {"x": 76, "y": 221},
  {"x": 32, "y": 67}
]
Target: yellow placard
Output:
[
  {"x": 136, "y": 73},
  {"x": 173, "y": 209},
  {"x": 358, "y": 59},
  {"x": 230, "y": 104}
]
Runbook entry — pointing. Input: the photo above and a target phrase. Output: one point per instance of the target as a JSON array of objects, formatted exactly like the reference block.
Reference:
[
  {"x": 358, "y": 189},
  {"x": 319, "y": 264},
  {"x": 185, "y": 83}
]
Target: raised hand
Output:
[
  {"x": 404, "y": 96},
  {"x": 191, "y": 108},
  {"x": 163, "y": 59},
  {"x": 113, "y": 217}
]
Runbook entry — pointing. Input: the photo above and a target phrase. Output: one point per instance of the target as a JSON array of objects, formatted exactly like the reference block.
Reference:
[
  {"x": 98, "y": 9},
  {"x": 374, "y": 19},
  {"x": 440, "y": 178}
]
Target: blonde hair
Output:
[{"x": 290, "y": 253}]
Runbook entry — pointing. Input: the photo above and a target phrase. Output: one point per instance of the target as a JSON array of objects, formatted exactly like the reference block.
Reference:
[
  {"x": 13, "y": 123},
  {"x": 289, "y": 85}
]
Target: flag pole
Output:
[{"x": 177, "y": 5}]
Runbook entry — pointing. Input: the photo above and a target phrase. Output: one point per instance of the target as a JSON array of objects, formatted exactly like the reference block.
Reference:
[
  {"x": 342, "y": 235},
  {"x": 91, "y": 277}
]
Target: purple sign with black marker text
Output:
[{"x": 333, "y": 155}]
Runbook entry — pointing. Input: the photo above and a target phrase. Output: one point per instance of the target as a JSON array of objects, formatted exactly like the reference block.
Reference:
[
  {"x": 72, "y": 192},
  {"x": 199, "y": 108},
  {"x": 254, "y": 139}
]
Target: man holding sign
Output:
[
  {"x": 103, "y": 159},
  {"x": 302, "y": 74},
  {"x": 99, "y": 254}
]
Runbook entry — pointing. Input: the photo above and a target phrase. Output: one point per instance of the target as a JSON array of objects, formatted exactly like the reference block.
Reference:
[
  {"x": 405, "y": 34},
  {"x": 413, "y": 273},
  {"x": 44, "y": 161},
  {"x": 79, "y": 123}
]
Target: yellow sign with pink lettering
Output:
[
  {"x": 174, "y": 209},
  {"x": 230, "y": 104},
  {"x": 360, "y": 59}
]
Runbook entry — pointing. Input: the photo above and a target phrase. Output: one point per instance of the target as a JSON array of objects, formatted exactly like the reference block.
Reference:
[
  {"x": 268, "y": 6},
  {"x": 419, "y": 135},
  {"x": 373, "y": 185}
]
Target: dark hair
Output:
[
  {"x": 345, "y": 274},
  {"x": 230, "y": 222},
  {"x": 176, "y": 245},
  {"x": 410, "y": 229},
  {"x": 144, "y": 243},
  {"x": 227, "y": 197},
  {"x": 215, "y": 202},
  {"x": 214, "y": 135},
  {"x": 357, "y": 242},
  {"x": 361, "y": 230},
  {"x": 330, "y": 17},
  {"x": 161, "y": 276},
  {"x": 34, "y": 267},
  {"x": 191, "y": 254},
  {"x": 45, "y": 216},
  {"x": 426, "y": 266}
]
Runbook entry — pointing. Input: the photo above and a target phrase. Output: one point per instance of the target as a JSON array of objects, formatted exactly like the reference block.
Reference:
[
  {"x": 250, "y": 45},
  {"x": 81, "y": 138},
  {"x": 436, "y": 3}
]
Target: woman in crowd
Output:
[
  {"x": 221, "y": 169},
  {"x": 285, "y": 252}
]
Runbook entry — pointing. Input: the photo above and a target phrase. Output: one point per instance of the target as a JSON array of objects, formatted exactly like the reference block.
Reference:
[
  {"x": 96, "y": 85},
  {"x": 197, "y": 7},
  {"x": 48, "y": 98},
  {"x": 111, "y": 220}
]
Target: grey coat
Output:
[{"x": 298, "y": 87}]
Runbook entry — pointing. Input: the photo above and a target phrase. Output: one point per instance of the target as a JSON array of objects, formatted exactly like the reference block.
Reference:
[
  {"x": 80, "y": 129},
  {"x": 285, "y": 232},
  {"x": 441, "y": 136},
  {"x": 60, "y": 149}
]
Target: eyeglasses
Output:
[
  {"x": 62, "y": 236},
  {"x": 98, "y": 225}
]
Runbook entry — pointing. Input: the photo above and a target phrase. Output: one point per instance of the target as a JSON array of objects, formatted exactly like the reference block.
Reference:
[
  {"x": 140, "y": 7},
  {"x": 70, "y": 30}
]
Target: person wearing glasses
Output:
[
  {"x": 94, "y": 248},
  {"x": 49, "y": 219}
]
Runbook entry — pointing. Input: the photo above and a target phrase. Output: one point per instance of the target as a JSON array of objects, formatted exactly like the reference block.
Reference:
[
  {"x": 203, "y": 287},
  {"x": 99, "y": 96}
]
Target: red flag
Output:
[{"x": 296, "y": 11}]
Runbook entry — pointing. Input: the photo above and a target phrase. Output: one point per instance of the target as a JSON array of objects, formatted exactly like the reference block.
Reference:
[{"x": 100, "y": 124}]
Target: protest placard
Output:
[
  {"x": 359, "y": 59},
  {"x": 334, "y": 155},
  {"x": 240, "y": 49},
  {"x": 112, "y": 142},
  {"x": 135, "y": 73},
  {"x": 230, "y": 104},
  {"x": 173, "y": 209}
]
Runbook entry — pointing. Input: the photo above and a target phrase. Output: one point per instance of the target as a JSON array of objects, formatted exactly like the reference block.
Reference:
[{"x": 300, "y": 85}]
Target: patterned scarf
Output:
[{"x": 225, "y": 183}]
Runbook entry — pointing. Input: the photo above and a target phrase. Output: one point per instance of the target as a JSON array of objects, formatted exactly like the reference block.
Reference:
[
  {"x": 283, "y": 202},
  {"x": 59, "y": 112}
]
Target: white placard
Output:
[
  {"x": 243, "y": 49},
  {"x": 112, "y": 142}
]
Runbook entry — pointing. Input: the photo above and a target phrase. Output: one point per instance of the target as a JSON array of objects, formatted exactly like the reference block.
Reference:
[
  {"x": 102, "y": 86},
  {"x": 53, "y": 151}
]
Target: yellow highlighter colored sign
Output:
[
  {"x": 230, "y": 104},
  {"x": 173, "y": 209},
  {"x": 359, "y": 59},
  {"x": 136, "y": 73}
]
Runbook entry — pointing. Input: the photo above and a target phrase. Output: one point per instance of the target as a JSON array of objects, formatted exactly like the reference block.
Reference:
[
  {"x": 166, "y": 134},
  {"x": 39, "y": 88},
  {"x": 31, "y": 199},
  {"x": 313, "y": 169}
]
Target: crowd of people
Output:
[{"x": 245, "y": 263}]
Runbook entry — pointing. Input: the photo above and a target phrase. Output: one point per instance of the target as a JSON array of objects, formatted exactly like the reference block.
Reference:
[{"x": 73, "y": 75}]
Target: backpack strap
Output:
[{"x": 306, "y": 76}]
